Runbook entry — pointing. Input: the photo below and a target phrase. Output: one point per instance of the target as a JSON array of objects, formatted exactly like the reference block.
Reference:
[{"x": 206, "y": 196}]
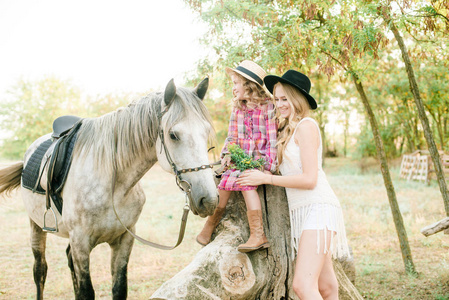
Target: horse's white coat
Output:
[
  {"x": 193, "y": 135},
  {"x": 87, "y": 216}
]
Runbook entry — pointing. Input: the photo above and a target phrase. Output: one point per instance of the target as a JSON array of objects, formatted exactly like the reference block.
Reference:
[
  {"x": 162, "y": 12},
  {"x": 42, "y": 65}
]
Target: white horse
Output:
[{"x": 123, "y": 145}]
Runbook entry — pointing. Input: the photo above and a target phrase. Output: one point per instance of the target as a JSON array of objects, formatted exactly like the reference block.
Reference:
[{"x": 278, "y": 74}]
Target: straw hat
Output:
[{"x": 250, "y": 70}]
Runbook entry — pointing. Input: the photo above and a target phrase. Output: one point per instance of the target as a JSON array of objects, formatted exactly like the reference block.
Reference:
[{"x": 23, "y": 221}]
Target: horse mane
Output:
[{"x": 119, "y": 137}]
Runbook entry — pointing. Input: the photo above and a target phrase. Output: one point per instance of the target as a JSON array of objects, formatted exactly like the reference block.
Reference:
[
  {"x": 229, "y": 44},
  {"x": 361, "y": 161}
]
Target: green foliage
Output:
[
  {"x": 310, "y": 36},
  {"x": 31, "y": 110},
  {"x": 242, "y": 161},
  {"x": 327, "y": 40},
  {"x": 338, "y": 40},
  {"x": 435, "y": 94},
  {"x": 31, "y": 107},
  {"x": 365, "y": 143}
]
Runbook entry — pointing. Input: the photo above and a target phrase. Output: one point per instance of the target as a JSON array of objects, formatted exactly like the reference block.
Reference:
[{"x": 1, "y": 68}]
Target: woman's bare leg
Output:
[
  {"x": 327, "y": 282},
  {"x": 314, "y": 276}
]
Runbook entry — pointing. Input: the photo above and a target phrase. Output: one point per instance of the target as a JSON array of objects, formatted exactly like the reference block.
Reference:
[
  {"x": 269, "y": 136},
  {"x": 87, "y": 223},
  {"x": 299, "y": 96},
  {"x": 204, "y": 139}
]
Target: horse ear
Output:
[
  {"x": 170, "y": 92},
  {"x": 201, "y": 89}
]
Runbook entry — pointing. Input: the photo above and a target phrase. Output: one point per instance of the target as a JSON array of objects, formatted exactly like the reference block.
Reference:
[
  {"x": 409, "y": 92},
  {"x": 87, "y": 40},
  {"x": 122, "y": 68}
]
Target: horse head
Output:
[{"x": 184, "y": 131}]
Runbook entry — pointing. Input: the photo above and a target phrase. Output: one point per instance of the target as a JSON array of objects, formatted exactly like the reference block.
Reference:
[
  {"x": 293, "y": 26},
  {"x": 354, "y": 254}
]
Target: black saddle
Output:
[
  {"x": 63, "y": 124},
  {"x": 57, "y": 152}
]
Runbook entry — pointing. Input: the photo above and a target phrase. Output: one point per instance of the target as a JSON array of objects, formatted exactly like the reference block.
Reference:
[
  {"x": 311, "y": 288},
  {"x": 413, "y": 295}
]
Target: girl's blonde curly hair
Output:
[{"x": 253, "y": 91}]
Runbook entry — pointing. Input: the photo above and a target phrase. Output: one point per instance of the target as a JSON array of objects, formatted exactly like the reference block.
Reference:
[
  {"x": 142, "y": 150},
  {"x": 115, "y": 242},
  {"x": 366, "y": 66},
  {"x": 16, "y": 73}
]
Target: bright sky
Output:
[{"x": 102, "y": 46}]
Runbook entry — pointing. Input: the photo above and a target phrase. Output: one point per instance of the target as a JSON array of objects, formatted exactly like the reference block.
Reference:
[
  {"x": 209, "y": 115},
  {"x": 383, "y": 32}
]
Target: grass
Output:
[
  {"x": 372, "y": 235},
  {"x": 379, "y": 267}
]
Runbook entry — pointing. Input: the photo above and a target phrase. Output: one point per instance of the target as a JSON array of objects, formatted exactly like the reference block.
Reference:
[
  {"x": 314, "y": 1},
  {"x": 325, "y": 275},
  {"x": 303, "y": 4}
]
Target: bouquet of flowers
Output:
[{"x": 242, "y": 161}]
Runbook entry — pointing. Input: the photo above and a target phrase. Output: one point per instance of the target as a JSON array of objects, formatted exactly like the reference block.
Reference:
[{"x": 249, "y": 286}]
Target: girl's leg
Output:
[
  {"x": 252, "y": 200},
  {"x": 205, "y": 235},
  {"x": 314, "y": 277},
  {"x": 223, "y": 198}
]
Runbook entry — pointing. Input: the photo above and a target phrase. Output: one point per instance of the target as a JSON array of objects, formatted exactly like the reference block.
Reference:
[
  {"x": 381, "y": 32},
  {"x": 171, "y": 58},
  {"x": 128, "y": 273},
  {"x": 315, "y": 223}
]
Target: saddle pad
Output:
[
  {"x": 30, "y": 175},
  {"x": 60, "y": 162}
]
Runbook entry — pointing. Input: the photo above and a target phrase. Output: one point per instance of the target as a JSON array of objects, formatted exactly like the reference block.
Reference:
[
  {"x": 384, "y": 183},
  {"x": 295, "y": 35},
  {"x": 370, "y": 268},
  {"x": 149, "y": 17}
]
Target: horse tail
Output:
[{"x": 10, "y": 177}]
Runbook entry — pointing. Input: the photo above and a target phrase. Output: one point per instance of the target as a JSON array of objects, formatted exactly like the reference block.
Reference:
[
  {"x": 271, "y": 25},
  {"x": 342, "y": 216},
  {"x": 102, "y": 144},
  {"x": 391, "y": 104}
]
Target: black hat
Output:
[{"x": 295, "y": 79}]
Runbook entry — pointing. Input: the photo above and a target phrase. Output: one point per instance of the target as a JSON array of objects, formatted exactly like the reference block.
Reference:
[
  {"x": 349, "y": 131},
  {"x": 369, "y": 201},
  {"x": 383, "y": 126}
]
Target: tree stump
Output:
[{"x": 220, "y": 272}]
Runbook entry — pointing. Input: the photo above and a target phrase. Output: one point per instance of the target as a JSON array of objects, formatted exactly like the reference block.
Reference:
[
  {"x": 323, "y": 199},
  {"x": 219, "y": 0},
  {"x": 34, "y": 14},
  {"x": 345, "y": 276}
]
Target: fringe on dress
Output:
[{"x": 338, "y": 243}]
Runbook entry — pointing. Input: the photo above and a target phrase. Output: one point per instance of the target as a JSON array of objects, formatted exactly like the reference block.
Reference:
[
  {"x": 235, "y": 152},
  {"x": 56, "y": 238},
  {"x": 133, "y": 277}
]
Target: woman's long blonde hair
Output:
[
  {"x": 253, "y": 91},
  {"x": 299, "y": 109}
]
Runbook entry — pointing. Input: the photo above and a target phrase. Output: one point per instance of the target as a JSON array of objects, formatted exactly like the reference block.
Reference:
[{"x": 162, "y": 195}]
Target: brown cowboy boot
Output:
[
  {"x": 257, "y": 238},
  {"x": 212, "y": 221}
]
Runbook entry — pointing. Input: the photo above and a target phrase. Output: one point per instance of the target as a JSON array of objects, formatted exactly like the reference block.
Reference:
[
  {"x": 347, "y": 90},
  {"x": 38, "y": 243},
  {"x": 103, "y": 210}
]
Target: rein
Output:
[{"x": 183, "y": 185}]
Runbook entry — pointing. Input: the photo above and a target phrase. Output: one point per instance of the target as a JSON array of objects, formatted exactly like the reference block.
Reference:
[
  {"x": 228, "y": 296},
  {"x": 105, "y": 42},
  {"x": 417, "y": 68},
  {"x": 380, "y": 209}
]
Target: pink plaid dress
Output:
[{"x": 254, "y": 130}]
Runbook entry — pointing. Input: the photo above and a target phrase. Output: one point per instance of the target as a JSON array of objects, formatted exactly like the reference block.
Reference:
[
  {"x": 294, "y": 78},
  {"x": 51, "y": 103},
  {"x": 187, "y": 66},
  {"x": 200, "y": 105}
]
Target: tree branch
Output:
[{"x": 335, "y": 59}]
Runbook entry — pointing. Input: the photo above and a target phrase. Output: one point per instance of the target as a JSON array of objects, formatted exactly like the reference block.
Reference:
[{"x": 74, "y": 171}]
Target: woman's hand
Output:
[{"x": 253, "y": 177}]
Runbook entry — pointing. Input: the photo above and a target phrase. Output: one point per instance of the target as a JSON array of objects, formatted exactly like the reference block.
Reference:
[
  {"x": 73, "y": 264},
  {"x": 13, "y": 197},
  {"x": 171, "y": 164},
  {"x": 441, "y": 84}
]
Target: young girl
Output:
[
  {"x": 252, "y": 126},
  {"x": 316, "y": 217}
]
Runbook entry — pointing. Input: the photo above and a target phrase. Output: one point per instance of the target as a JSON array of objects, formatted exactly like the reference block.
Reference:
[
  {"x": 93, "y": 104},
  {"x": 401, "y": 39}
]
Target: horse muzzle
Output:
[
  {"x": 201, "y": 191},
  {"x": 204, "y": 206}
]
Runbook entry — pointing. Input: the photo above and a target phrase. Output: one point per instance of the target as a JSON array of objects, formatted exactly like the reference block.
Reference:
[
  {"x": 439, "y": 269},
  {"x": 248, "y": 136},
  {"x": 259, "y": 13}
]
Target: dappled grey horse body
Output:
[{"x": 123, "y": 145}]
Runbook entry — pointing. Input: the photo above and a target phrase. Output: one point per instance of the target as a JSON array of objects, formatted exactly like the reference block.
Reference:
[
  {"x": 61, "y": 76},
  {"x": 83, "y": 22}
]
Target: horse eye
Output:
[{"x": 173, "y": 136}]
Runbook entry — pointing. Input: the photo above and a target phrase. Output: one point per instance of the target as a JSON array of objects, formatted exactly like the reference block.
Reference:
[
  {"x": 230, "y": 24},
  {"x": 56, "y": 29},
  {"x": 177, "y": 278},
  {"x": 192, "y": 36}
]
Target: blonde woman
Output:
[
  {"x": 317, "y": 226},
  {"x": 252, "y": 126}
]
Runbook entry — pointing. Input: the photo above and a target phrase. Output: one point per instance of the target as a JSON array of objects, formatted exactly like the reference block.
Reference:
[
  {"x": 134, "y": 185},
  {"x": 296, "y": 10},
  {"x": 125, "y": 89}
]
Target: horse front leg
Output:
[
  {"x": 120, "y": 252},
  {"x": 38, "y": 243},
  {"x": 79, "y": 261}
]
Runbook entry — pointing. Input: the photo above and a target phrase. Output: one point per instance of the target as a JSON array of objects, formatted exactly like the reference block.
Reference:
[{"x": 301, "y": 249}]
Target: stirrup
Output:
[{"x": 51, "y": 229}]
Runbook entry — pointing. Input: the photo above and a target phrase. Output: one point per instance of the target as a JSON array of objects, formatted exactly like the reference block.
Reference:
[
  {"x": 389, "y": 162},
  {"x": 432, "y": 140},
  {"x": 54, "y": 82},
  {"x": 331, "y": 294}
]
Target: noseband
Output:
[{"x": 183, "y": 185}]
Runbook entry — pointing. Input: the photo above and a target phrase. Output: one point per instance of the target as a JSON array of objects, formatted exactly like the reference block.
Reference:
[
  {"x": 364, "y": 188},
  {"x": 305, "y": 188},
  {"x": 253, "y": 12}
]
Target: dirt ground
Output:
[{"x": 370, "y": 228}]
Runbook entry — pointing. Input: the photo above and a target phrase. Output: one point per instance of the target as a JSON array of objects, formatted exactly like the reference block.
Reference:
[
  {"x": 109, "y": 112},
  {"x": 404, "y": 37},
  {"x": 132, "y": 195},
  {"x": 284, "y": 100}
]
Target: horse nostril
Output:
[
  {"x": 201, "y": 203},
  {"x": 205, "y": 205}
]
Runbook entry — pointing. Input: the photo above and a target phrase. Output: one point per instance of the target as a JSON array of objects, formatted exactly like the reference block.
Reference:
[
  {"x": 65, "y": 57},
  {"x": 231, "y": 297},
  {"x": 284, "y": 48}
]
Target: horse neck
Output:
[
  {"x": 123, "y": 141},
  {"x": 144, "y": 156},
  {"x": 128, "y": 177}
]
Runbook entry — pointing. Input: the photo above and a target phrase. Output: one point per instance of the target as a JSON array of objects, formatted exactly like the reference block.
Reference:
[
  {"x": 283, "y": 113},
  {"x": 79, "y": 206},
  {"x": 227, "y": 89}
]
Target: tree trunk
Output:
[
  {"x": 346, "y": 132},
  {"x": 422, "y": 114},
  {"x": 439, "y": 126},
  {"x": 219, "y": 271},
  {"x": 397, "y": 216},
  {"x": 325, "y": 148},
  {"x": 445, "y": 128}
]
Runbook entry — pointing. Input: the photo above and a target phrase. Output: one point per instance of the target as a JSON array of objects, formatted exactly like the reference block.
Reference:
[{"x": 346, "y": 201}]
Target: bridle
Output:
[{"x": 182, "y": 184}]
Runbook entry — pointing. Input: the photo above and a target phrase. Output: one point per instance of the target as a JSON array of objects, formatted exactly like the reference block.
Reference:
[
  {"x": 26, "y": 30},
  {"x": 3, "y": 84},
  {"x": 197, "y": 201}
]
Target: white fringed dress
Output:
[{"x": 313, "y": 209}]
